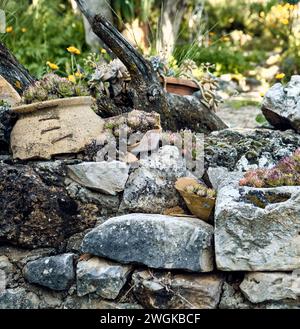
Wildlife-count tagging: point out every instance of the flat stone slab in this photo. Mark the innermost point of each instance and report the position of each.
(106, 177)
(154, 240)
(257, 229)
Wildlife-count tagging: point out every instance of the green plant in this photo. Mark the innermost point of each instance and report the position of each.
(51, 86)
(201, 190)
(285, 173)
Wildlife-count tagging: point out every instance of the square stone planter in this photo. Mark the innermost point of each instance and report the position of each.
(257, 229)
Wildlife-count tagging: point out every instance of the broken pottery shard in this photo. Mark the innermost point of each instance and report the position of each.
(53, 127)
(7, 93)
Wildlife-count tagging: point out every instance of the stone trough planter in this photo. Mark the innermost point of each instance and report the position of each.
(257, 229)
(53, 127)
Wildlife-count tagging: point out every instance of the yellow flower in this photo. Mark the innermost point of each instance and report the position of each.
(72, 78)
(52, 66)
(284, 21)
(103, 51)
(280, 76)
(9, 29)
(225, 38)
(73, 50)
(24, 29)
(78, 74)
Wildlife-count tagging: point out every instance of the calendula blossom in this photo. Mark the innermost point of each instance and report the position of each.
(52, 66)
(72, 78)
(9, 29)
(280, 76)
(73, 50)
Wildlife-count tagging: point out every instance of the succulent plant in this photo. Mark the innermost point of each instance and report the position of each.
(201, 190)
(51, 86)
(285, 173)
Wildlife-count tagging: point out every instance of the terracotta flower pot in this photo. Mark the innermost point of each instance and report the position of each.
(181, 87)
(199, 206)
(59, 126)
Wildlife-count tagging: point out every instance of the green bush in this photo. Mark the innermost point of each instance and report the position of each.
(42, 33)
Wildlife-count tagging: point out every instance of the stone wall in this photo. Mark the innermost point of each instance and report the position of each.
(85, 234)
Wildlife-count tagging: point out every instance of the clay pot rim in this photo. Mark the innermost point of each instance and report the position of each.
(69, 101)
(181, 82)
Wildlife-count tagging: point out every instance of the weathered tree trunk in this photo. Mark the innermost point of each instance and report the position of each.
(13, 71)
(170, 21)
(145, 89)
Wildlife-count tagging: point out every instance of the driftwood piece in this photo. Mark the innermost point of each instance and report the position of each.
(145, 89)
(12, 71)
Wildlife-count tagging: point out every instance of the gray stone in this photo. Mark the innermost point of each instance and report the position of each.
(55, 272)
(261, 287)
(232, 298)
(257, 229)
(281, 105)
(105, 177)
(18, 298)
(177, 291)
(154, 240)
(220, 176)
(106, 203)
(150, 188)
(148, 143)
(102, 277)
(6, 272)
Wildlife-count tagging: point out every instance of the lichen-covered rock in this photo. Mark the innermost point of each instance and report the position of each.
(7, 120)
(18, 298)
(55, 272)
(106, 177)
(243, 149)
(233, 298)
(33, 214)
(102, 277)
(6, 271)
(107, 204)
(220, 176)
(257, 229)
(151, 187)
(154, 240)
(281, 105)
(276, 286)
(163, 290)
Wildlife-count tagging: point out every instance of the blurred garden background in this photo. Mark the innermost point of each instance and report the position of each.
(251, 43)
